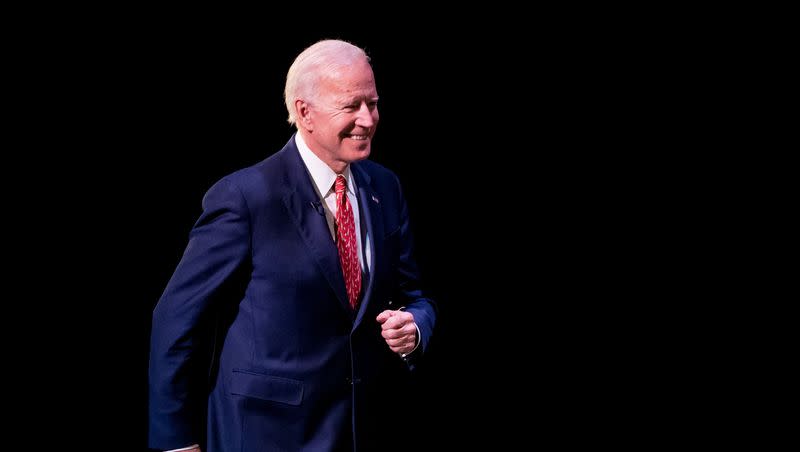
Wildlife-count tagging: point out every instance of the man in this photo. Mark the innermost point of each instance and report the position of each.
(295, 316)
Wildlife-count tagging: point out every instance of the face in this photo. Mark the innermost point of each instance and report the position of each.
(340, 122)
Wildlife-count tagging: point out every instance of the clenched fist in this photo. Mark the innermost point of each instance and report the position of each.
(399, 331)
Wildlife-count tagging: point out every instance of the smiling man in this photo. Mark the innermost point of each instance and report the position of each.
(295, 316)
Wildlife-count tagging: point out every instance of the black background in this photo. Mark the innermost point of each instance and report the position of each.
(515, 150)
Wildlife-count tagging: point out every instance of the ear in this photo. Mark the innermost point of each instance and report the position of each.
(302, 112)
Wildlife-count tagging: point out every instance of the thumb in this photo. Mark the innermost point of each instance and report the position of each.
(384, 316)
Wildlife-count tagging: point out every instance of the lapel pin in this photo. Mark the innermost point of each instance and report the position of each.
(375, 199)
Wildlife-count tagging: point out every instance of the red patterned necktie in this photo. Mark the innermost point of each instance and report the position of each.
(346, 242)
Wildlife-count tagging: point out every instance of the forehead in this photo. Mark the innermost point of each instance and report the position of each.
(349, 82)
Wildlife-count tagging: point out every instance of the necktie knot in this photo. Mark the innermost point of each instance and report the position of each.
(340, 185)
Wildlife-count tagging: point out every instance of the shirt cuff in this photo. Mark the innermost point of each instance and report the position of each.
(419, 339)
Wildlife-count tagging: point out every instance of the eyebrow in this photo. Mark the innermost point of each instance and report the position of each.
(351, 100)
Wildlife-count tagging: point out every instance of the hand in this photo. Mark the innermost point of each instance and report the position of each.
(399, 330)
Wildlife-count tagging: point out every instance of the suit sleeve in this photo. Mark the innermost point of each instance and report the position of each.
(409, 285)
(219, 243)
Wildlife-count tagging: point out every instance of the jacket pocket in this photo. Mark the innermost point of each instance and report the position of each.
(266, 387)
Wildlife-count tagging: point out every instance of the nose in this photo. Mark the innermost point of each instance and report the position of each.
(366, 117)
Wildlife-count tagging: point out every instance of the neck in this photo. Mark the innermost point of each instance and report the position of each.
(337, 166)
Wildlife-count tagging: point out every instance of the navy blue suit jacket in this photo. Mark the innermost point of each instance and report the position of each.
(254, 346)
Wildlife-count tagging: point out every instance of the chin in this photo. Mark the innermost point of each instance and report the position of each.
(360, 152)
(360, 156)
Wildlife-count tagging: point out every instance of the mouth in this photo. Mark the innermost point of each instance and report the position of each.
(358, 137)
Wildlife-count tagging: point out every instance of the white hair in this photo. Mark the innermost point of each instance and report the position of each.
(321, 58)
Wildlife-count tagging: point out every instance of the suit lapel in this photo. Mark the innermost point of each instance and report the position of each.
(371, 215)
(300, 201)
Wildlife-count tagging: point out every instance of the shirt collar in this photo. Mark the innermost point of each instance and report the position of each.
(322, 174)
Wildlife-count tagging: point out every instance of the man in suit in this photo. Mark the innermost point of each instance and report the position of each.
(295, 315)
